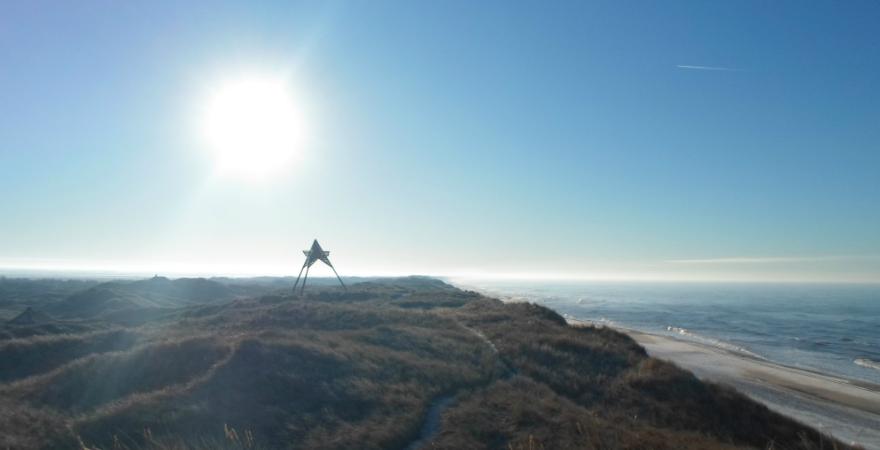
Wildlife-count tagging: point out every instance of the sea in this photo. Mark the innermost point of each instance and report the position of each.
(828, 328)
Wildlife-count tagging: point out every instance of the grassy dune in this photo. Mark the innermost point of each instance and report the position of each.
(361, 370)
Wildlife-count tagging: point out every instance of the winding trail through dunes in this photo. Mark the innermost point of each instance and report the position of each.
(170, 391)
(431, 426)
(482, 337)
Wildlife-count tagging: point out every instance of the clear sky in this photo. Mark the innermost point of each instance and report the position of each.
(671, 140)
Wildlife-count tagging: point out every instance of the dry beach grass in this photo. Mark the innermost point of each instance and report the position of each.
(361, 370)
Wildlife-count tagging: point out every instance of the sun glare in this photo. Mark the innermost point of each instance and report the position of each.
(253, 126)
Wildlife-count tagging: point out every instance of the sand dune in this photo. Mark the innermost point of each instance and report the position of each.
(847, 409)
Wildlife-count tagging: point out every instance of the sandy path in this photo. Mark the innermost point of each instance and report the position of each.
(431, 426)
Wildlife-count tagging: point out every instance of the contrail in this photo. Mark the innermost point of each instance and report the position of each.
(720, 69)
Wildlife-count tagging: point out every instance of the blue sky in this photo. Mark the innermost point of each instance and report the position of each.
(658, 140)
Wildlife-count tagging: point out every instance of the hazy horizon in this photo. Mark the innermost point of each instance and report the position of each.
(122, 271)
(688, 141)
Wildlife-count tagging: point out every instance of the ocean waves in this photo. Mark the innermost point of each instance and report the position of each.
(867, 363)
(688, 335)
(833, 329)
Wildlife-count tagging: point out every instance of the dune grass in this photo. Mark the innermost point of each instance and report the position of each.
(359, 370)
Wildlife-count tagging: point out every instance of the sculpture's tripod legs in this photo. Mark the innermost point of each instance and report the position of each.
(303, 288)
(297, 277)
(339, 278)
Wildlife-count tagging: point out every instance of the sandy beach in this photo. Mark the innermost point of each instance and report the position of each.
(846, 409)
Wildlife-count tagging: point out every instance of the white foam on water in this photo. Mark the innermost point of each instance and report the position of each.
(864, 362)
(602, 321)
(710, 341)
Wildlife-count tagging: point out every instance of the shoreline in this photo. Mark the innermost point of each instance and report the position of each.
(847, 409)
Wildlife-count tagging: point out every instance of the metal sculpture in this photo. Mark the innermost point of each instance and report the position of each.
(313, 255)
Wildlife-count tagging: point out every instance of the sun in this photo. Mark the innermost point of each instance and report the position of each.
(253, 126)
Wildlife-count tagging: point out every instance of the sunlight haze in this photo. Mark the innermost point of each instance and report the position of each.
(717, 141)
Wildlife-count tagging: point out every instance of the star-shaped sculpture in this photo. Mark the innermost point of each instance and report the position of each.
(313, 255)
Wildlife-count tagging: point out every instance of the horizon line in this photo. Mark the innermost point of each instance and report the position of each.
(135, 271)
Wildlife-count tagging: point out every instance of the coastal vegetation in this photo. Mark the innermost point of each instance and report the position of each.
(174, 364)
